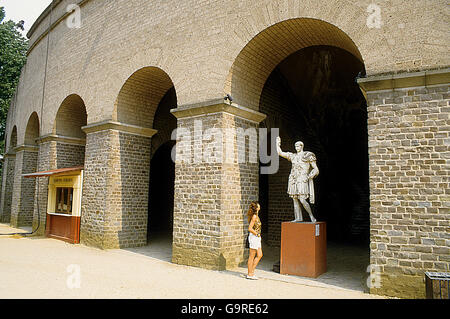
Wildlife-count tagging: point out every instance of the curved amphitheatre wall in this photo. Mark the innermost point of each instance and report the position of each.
(196, 44)
(206, 49)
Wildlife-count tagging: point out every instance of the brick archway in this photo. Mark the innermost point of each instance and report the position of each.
(71, 117)
(139, 97)
(267, 49)
(13, 138)
(123, 145)
(32, 130)
(252, 83)
(26, 162)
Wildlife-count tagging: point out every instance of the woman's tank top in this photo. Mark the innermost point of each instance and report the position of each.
(257, 225)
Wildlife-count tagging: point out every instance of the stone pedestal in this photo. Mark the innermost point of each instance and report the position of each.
(303, 249)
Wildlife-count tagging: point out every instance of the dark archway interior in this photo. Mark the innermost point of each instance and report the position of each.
(312, 96)
(162, 171)
(161, 191)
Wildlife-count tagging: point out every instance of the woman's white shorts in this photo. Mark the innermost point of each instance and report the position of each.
(254, 241)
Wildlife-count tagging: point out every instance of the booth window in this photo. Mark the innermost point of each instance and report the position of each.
(64, 197)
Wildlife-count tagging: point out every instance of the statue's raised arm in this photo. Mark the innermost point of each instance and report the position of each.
(280, 152)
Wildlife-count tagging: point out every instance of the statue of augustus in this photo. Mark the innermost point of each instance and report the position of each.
(301, 185)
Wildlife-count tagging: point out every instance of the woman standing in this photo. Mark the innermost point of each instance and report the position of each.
(254, 238)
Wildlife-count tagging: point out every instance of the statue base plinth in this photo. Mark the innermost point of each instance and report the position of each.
(303, 249)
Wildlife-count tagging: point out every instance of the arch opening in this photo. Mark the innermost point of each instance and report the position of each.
(140, 96)
(267, 49)
(145, 101)
(32, 130)
(13, 139)
(71, 117)
(29, 163)
(69, 120)
(162, 173)
(301, 73)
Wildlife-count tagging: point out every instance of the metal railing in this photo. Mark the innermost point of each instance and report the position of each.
(437, 285)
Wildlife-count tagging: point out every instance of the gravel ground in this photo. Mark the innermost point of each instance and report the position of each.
(38, 267)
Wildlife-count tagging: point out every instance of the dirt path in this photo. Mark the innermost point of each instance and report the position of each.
(37, 267)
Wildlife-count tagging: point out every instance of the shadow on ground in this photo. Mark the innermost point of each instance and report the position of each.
(346, 264)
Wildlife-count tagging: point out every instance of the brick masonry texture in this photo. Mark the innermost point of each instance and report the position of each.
(115, 191)
(410, 188)
(69, 155)
(128, 54)
(211, 201)
(23, 190)
(96, 60)
(7, 188)
(46, 161)
(52, 155)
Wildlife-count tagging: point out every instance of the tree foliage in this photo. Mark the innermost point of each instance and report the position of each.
(13, 49)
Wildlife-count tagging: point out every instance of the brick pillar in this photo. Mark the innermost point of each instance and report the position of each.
(24, 188)
(212, 195)
(7, 187)
(46, 161)
(115, 187)
(409, 153)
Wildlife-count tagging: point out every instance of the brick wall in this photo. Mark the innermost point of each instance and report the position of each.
(71, 117)
(198, 206)
(115, 190)
(194, 54)
(69, 155)
(211, 199)
(7, 187)
(409, 154)
(46, 161)
(24, 188)
(200, 59)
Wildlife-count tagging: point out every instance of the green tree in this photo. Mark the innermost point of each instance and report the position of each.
(13, 49)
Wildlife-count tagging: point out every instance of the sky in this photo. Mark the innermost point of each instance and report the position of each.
(26, 10)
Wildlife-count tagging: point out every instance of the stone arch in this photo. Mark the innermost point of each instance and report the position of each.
(123, 144)
(145, 101)
(139, 97)
(162, 170)
(32, 130)
(26, 162)
(13, 138)
(71, 117)
(260, 79)
(68, 134)
(267, 49)
(164, 122)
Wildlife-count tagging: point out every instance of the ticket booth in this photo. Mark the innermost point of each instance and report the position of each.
(64, 203)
